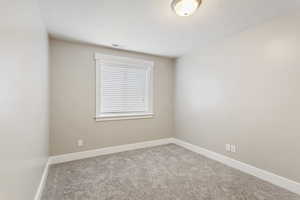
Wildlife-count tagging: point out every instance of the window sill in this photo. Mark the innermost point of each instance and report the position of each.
(123, 117)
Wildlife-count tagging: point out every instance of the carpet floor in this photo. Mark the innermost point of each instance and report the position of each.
(167, 172)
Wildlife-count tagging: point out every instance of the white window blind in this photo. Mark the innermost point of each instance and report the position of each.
(124, 87)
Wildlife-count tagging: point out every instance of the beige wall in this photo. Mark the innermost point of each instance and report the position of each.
(73, 101)
(23, 99)
(245, 91)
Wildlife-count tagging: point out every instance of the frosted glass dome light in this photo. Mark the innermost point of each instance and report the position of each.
(185, 7)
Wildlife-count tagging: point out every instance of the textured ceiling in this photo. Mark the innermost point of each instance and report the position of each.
(150, 26)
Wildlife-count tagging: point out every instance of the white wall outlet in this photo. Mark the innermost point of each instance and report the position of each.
(228, 147)
(233, 148)
(80, 142)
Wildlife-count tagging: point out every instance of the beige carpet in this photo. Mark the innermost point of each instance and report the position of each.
(166, 172)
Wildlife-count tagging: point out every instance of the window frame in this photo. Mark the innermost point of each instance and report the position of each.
(103, 59)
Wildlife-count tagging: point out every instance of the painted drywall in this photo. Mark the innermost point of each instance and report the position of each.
(245, 91)
(23, 99)
(73, 101)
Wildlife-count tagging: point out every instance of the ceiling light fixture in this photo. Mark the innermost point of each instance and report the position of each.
(185, 7)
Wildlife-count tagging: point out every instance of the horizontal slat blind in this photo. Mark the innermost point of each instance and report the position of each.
(123, 89)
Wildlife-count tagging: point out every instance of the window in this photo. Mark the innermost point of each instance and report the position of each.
(124, 88)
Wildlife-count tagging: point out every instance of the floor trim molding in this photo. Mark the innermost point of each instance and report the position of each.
(108, 150)
(249, 169)
(41, 186)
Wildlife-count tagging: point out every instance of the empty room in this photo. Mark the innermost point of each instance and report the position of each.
(149, 100)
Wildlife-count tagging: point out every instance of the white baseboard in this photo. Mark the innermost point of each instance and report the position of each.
(108, 150)
(41, 186)
(259, 173)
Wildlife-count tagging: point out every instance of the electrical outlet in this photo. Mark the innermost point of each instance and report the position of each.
(80, 142)
(233, 148)
(227, 147)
